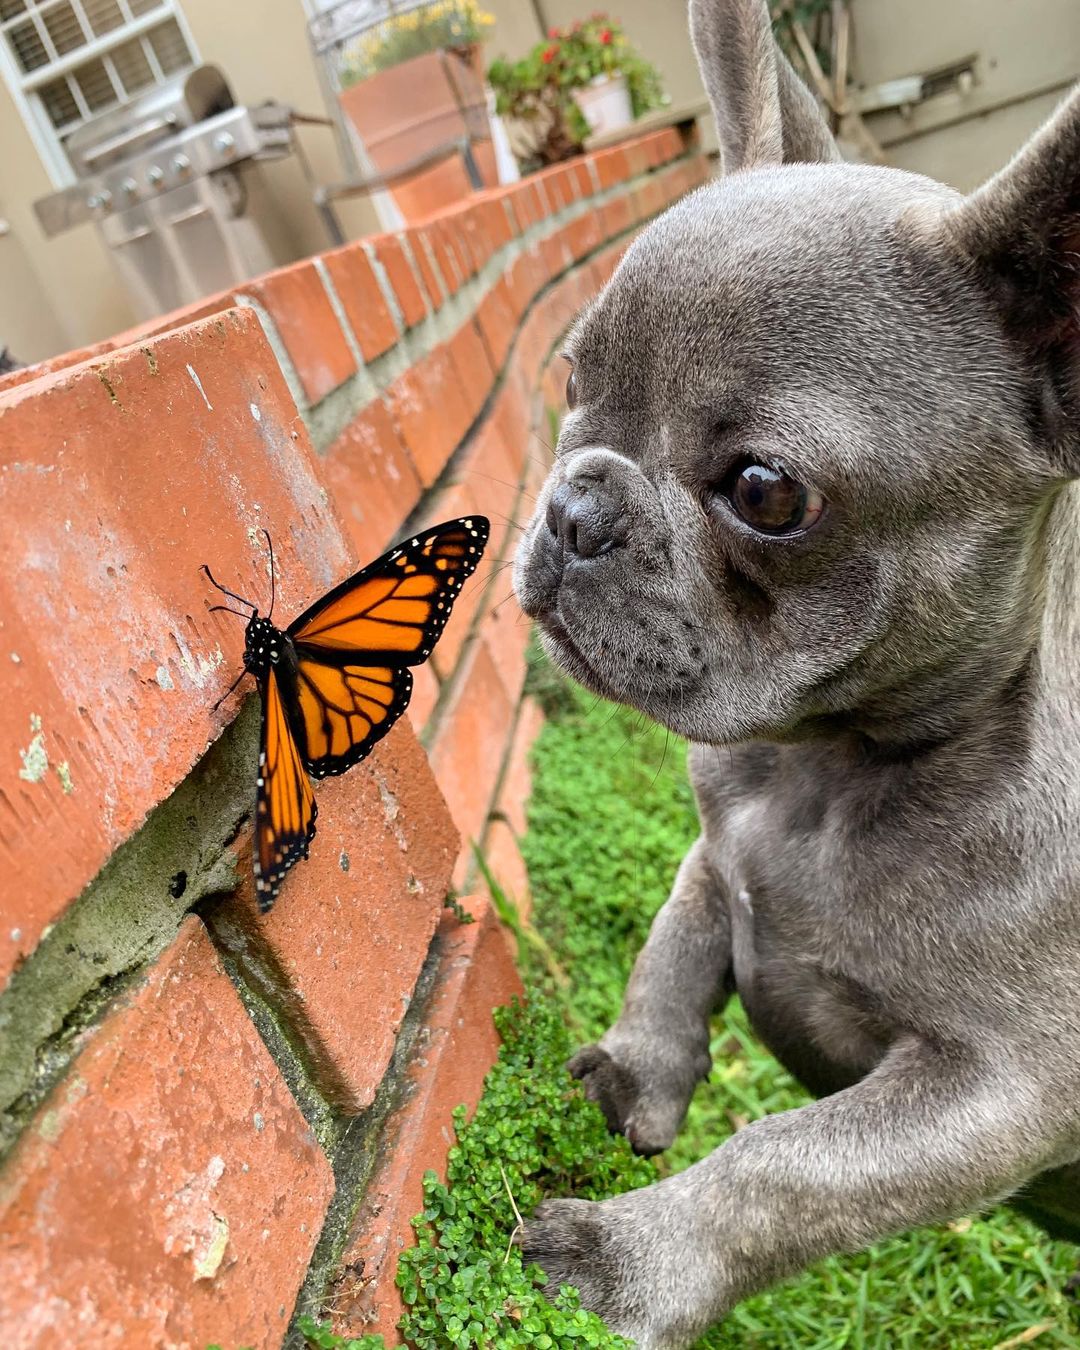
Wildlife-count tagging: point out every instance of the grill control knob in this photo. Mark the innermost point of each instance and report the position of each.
(100, 201)
(155, 175)
(225, 145)
(129, 187)
(181, 166)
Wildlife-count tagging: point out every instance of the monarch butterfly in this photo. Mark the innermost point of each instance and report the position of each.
(336, 680)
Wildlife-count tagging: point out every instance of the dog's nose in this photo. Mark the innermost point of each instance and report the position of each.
(582, 522)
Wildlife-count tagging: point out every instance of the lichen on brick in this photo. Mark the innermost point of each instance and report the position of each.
(35, 759)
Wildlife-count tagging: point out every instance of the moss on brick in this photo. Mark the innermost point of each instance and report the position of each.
(125, 918)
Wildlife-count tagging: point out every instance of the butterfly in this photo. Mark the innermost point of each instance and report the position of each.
(336, 680)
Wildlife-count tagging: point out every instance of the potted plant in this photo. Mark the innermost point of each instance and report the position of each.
(583, 80)
(413, 83)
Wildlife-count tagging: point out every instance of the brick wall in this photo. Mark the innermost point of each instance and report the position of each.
(210, 1120)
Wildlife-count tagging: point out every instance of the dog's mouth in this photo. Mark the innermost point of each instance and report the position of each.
(569, 655)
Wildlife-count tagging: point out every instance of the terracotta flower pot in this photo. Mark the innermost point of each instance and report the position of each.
(414, 107)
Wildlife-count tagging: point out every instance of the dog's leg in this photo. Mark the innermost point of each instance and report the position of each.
(642, 1073)
(929, 1135)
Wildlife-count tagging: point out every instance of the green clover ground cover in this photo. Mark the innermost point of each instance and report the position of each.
(611, 816)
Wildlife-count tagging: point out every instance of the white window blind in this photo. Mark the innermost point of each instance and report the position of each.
(67, 60)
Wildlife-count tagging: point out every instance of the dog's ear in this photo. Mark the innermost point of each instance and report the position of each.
(1022, 232)
(764, 113)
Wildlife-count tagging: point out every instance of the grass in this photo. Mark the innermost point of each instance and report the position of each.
(611, 816)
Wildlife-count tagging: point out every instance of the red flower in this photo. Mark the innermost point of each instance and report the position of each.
(605, 37)
(554, 33)
(548, 56)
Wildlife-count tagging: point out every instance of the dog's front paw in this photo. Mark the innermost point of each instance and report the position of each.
(566, 1238)
(622, 1265)
(642, 1091)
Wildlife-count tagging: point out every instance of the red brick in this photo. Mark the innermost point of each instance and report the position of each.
(169, 1192)
(296, 300)
(491, 470)
(556, 253)
(425, 694)
(430, 411)
(178, 318)
(650, 197)
(162, 458)
(497, 222)
(460, 499)
(524, 278)
(468, 749)
(351, 928)
(585, 233)
(529, 204)
(450, 254)
(63, 361)
(506, 632)
(472, 226)
(475, 372)
(639, 156)
(558, 185)
(507, 867)
(362, 300)
(372, 479)
(513, 410)
(617, 215)
(583, 183)
(516, 786)
(512, 206)
(612, 166)
(496, 322)
(389, 251)
(455, 1048)
(418, 246)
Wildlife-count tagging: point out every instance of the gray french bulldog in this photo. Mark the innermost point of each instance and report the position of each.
(815, 503)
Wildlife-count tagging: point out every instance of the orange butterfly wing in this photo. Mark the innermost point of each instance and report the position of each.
(346, 709)
(285, 807)
(354, 646)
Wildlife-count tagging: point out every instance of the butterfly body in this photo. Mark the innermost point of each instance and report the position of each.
(336, 680)
(263, 646)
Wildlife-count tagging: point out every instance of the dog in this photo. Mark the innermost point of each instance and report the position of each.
(814, 507)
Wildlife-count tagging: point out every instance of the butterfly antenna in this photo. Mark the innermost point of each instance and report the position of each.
(225, 590)
(231, 687)
(227, 609)
(270, 546)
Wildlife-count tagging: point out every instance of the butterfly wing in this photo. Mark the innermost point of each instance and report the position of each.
(346, 708)
(354, 646)
(285, 807)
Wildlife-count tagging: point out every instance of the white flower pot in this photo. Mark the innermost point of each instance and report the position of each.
(605, 104)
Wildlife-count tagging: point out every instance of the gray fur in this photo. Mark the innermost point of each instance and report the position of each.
(890, 851)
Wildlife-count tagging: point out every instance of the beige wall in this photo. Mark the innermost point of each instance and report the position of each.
(65, 287)
(261, 45)
(62, 293)
(1027, 54)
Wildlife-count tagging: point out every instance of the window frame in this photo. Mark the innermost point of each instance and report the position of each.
(23, 85)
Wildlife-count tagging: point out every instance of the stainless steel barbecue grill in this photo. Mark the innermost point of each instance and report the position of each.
(162, 177)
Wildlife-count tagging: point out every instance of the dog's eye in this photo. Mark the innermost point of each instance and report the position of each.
(773, 503)
(571, 391)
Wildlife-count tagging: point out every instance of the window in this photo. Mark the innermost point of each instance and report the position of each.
(68, 60)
